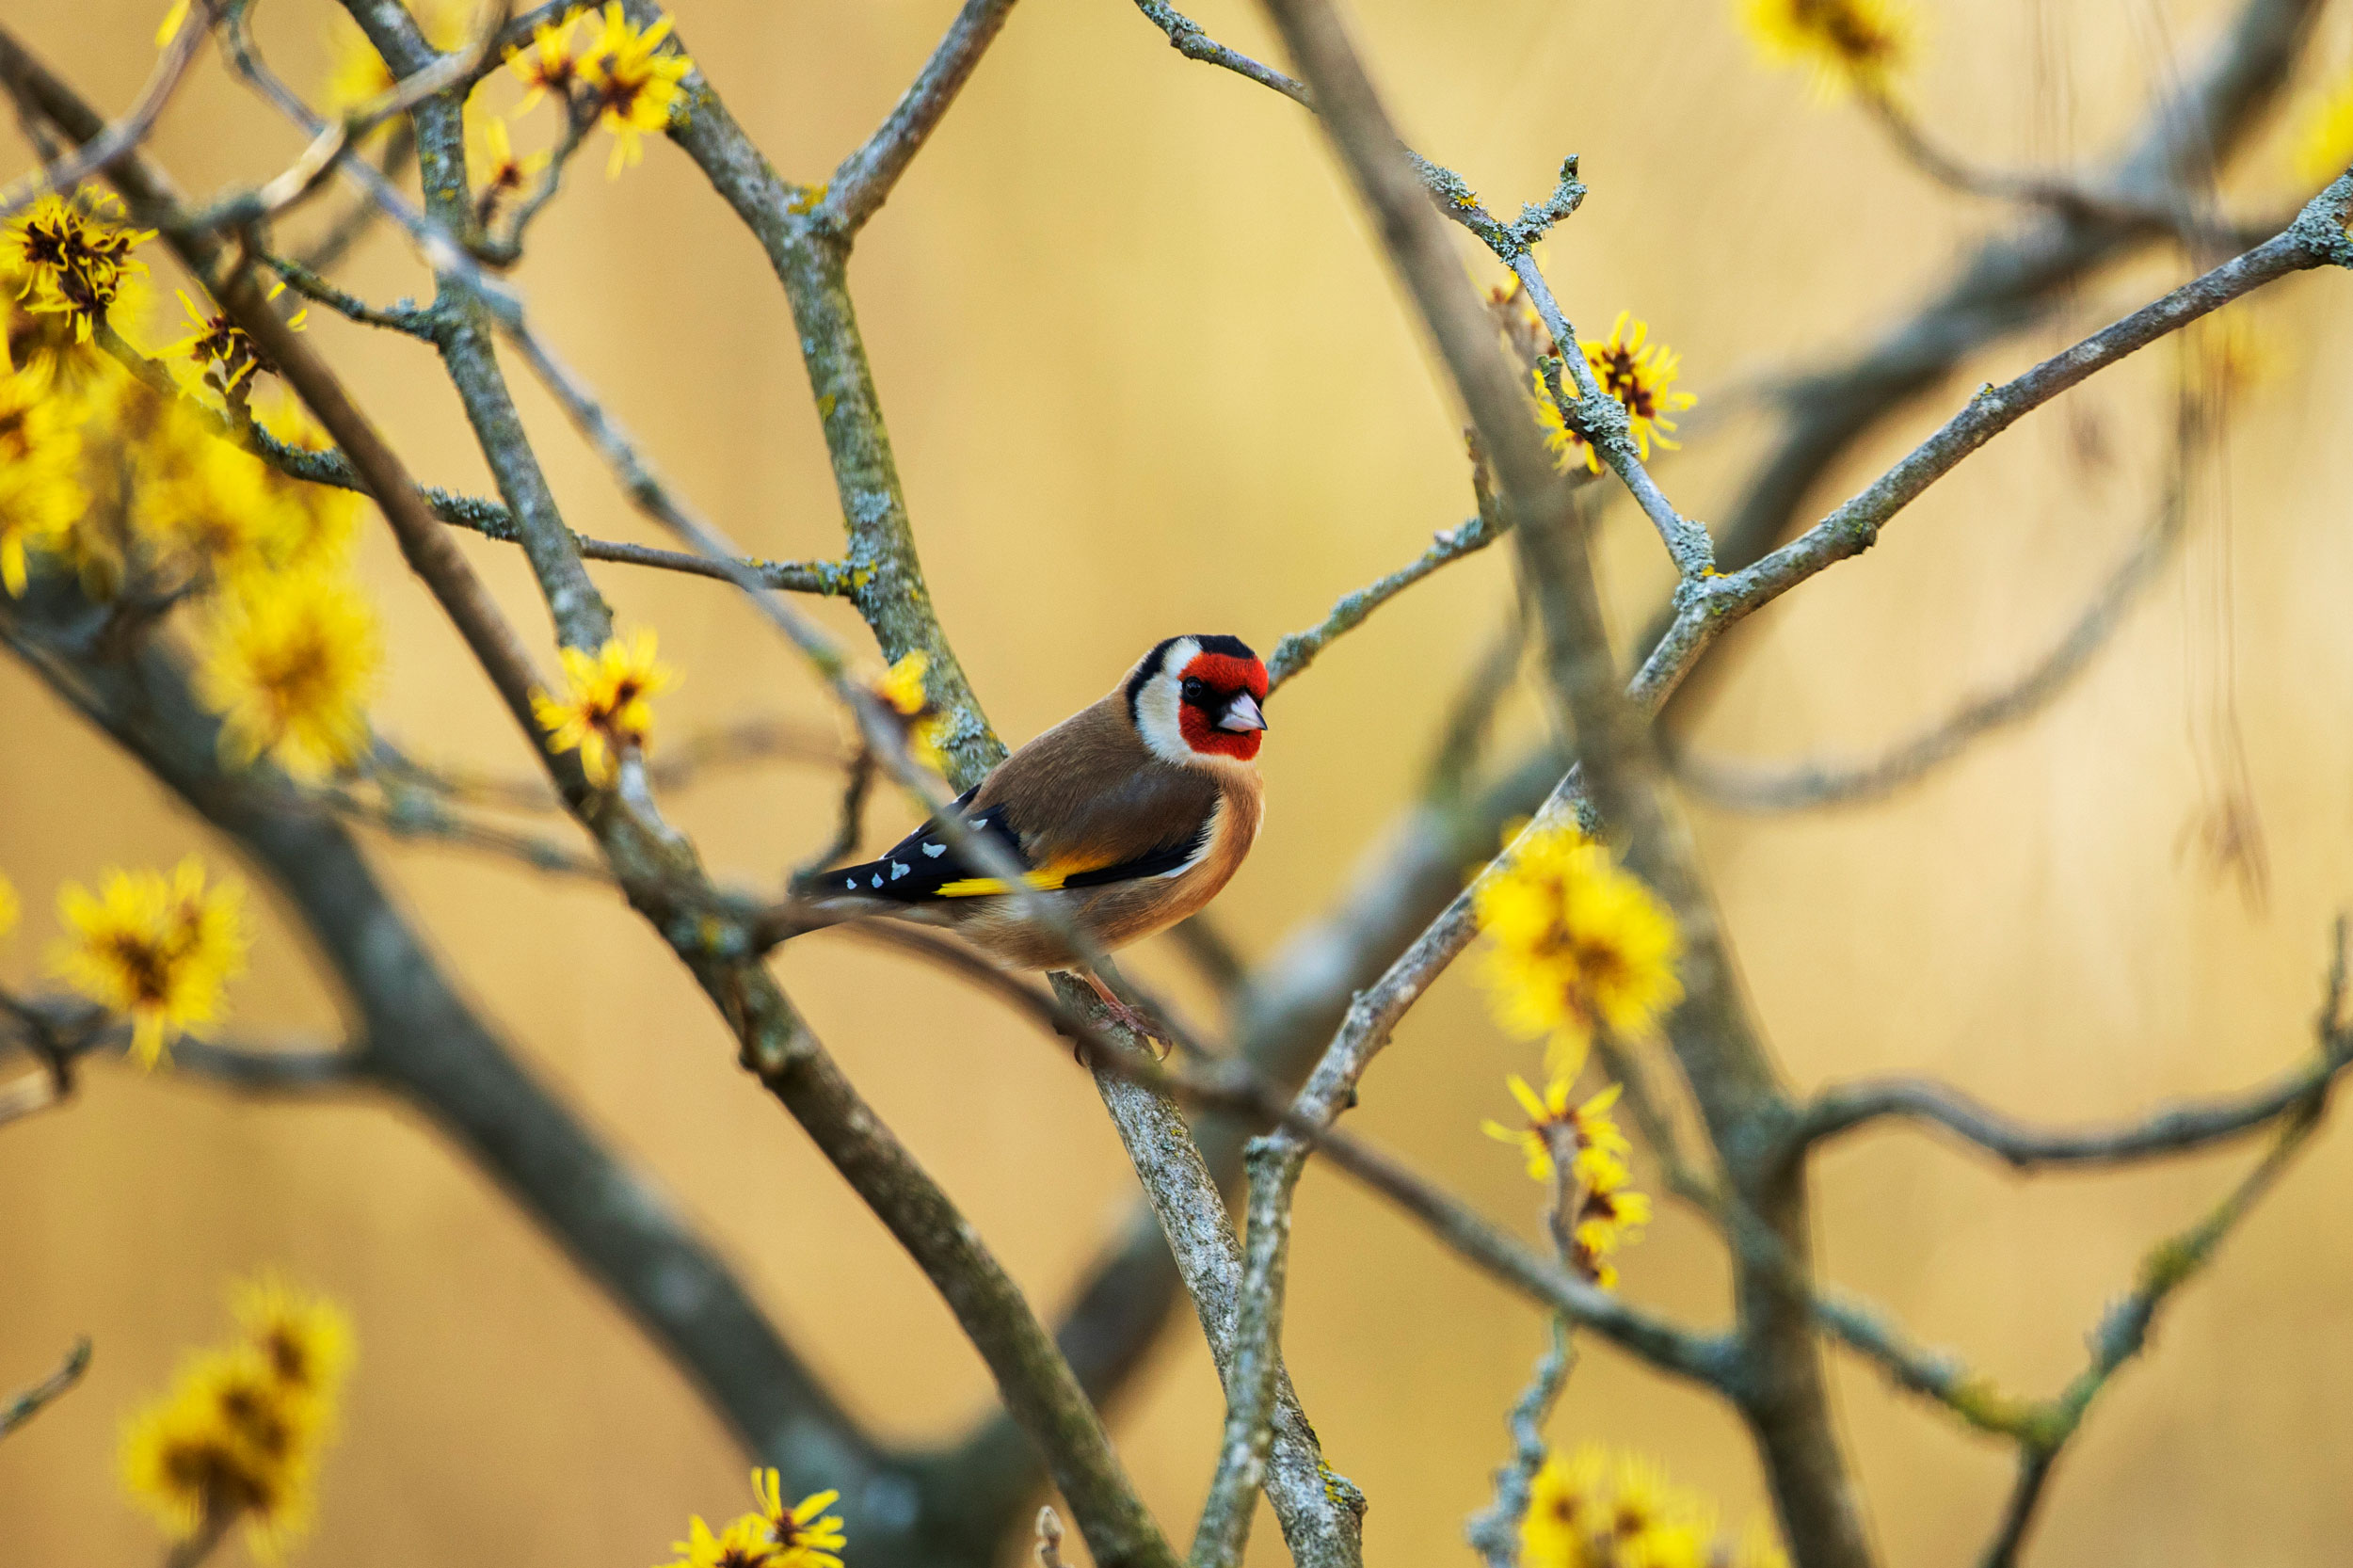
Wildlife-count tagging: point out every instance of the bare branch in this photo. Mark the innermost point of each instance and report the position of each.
(2315, 239)
(1257, 1365)
(864, 181)
(1186, 37)
(33, 1400)
(2124, 1332)
(1493, 1532)
(1298, 650)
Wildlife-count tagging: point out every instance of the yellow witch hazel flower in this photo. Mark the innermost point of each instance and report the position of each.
(1640, 373)
(1851, 45)
(218, 357)
(800, 1535)
(1589, 1126)
(2324, 143)
(803, 1535)
(1608, 1213)
(1598, 1509)
(498, 173)
(290, 661)
(606, 709)
(159, 950)
(236, 1439)
(41, 462)
(305, 1338)
(74, 253)
(740, 1544)
(1577, 944)
(633, 88)
(548, 65)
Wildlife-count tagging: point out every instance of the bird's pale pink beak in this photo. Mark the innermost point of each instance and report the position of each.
(1241, 714)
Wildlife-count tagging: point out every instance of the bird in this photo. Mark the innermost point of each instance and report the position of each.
(1128, 816)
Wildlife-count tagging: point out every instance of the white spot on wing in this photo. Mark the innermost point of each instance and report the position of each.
(878, 879)
(897, 871)
(934, 849)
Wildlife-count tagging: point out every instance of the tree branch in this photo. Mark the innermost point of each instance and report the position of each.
(864, 181)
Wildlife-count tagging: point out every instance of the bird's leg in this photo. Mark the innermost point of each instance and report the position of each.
(1126, 1016)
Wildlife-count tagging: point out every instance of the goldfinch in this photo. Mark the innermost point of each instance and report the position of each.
(1129, 815)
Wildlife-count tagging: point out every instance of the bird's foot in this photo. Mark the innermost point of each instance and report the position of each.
(1154, 1034)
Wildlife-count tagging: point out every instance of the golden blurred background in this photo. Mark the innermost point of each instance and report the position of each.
(1146, 375)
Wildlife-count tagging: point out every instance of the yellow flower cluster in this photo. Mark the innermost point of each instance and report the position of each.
(1640, 373)
(72, 254)
(1597, 1510)
(1851, 45)
(236, 1439)
(621, 80)
(159, 950)
(901, 689)
(129, 489)
(772, 1536)
(1577, 944)
(606, 711)
(1607, 1212)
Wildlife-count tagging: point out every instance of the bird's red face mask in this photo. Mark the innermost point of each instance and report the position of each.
(1218, 698)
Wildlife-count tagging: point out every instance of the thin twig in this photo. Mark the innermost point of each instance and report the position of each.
(1296, 651)
(33, 1400)
(1493, 1532)
(866, 177)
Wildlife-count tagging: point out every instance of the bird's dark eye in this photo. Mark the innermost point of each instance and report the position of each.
(1194, 689)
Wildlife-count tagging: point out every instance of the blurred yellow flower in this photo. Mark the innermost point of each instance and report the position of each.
(1852, 45)
(1576, 944)
(41, 457)
(290, 661)
(1640, 373)
(216, 512)
(305, 1338)
(159, 952)
(9, 907)
(74, 253)
(235, 1440)
(607, 709)
(2323, 142)
(634, 88)
(498, 173)
(803, 1535)
(1595, 1509)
